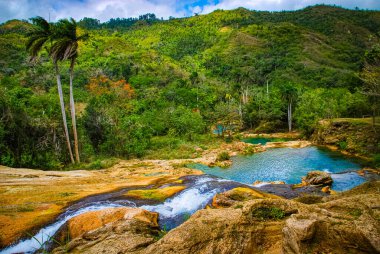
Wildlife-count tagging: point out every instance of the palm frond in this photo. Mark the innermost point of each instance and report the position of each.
(38, 35)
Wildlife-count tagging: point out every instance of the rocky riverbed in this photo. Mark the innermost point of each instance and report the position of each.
(31, 199)
(251, 223)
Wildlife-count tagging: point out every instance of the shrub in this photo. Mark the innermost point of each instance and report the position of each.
(268, 213)
(342, 145)
(223, 156)
(376, 160)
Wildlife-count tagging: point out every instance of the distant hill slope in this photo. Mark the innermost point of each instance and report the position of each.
(146, 77)
(320, 46)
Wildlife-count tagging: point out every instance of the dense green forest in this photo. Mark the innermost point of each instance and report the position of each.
(146, 84)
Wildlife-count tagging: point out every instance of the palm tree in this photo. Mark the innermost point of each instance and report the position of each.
(66, 48)
(289, 94)
(40, 35)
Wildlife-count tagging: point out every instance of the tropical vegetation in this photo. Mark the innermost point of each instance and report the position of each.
(143, 85)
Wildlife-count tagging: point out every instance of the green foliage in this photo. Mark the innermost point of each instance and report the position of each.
(184, 122)
(321, 103)
(342, 145)
(268, 213)
(356, 213)
(186, 216)
(376, 160)
(238, 69)
(161, 233)
(223, 156)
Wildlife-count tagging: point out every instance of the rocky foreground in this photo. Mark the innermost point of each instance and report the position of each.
(30, 199)
(245, 221)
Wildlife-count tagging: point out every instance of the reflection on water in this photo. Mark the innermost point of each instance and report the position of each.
(263, 141)
(286, 164)
(289, 165)
(174, 211)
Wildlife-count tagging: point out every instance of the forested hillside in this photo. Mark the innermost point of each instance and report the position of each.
(147, 84)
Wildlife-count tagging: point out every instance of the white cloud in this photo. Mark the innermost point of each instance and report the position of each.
(106, 9)
(100, 9)
(279, 5)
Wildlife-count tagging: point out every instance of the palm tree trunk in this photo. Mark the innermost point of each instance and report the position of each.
(290, 116)
(72, 109)
(60, 93)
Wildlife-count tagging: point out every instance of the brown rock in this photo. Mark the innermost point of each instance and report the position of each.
(113, 230)
(326, 189)
(346, 225)
(236, 195)
(224, 231)
(258, 182)
(318, 178)
(340, 225)
(224, 164)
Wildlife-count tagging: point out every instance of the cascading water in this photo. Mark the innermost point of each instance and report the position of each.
(172, 212)
(175, 210)
(285, 164)
(37, 241)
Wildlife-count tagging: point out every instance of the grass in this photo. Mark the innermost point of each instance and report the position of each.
(342, 145)
(168, 148)
(356, 213)
(367, 120)
(186, 216)
(376, 160)
(100, 163)
(268, 213)
(155, 194)
(249, 150)
(223, 156)
(161, 233)
(309, 199)
(26, 208)
(66, 194)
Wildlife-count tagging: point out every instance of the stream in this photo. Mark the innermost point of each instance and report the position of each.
(174, 211)
(285, 164)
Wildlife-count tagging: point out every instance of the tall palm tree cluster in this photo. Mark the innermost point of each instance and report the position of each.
(61, 42)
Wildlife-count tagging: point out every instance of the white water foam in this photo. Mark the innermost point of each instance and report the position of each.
(188, 201)
(258, 185)
(34, 243)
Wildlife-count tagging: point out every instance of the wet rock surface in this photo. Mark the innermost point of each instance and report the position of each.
(288, 191)
(114, 230)
(343, 223)
(358, 137)
(237, 195)
(318, 178)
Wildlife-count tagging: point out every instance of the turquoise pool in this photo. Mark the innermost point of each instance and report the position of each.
(290, 165)
(263, 141)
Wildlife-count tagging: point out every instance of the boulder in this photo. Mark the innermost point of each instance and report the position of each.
(239, 194)
(224, 164)
(258, 182)
(343, 223)
(340, 226)
(317, 178)
(337, 225)
(113, 230)
(229, 230)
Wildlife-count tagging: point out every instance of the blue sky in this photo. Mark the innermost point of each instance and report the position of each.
(106, 9)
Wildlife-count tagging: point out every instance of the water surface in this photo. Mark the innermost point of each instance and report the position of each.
(290, 165)
(172, 212)
(263, 141)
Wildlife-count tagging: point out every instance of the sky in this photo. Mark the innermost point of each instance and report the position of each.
(106, 9)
